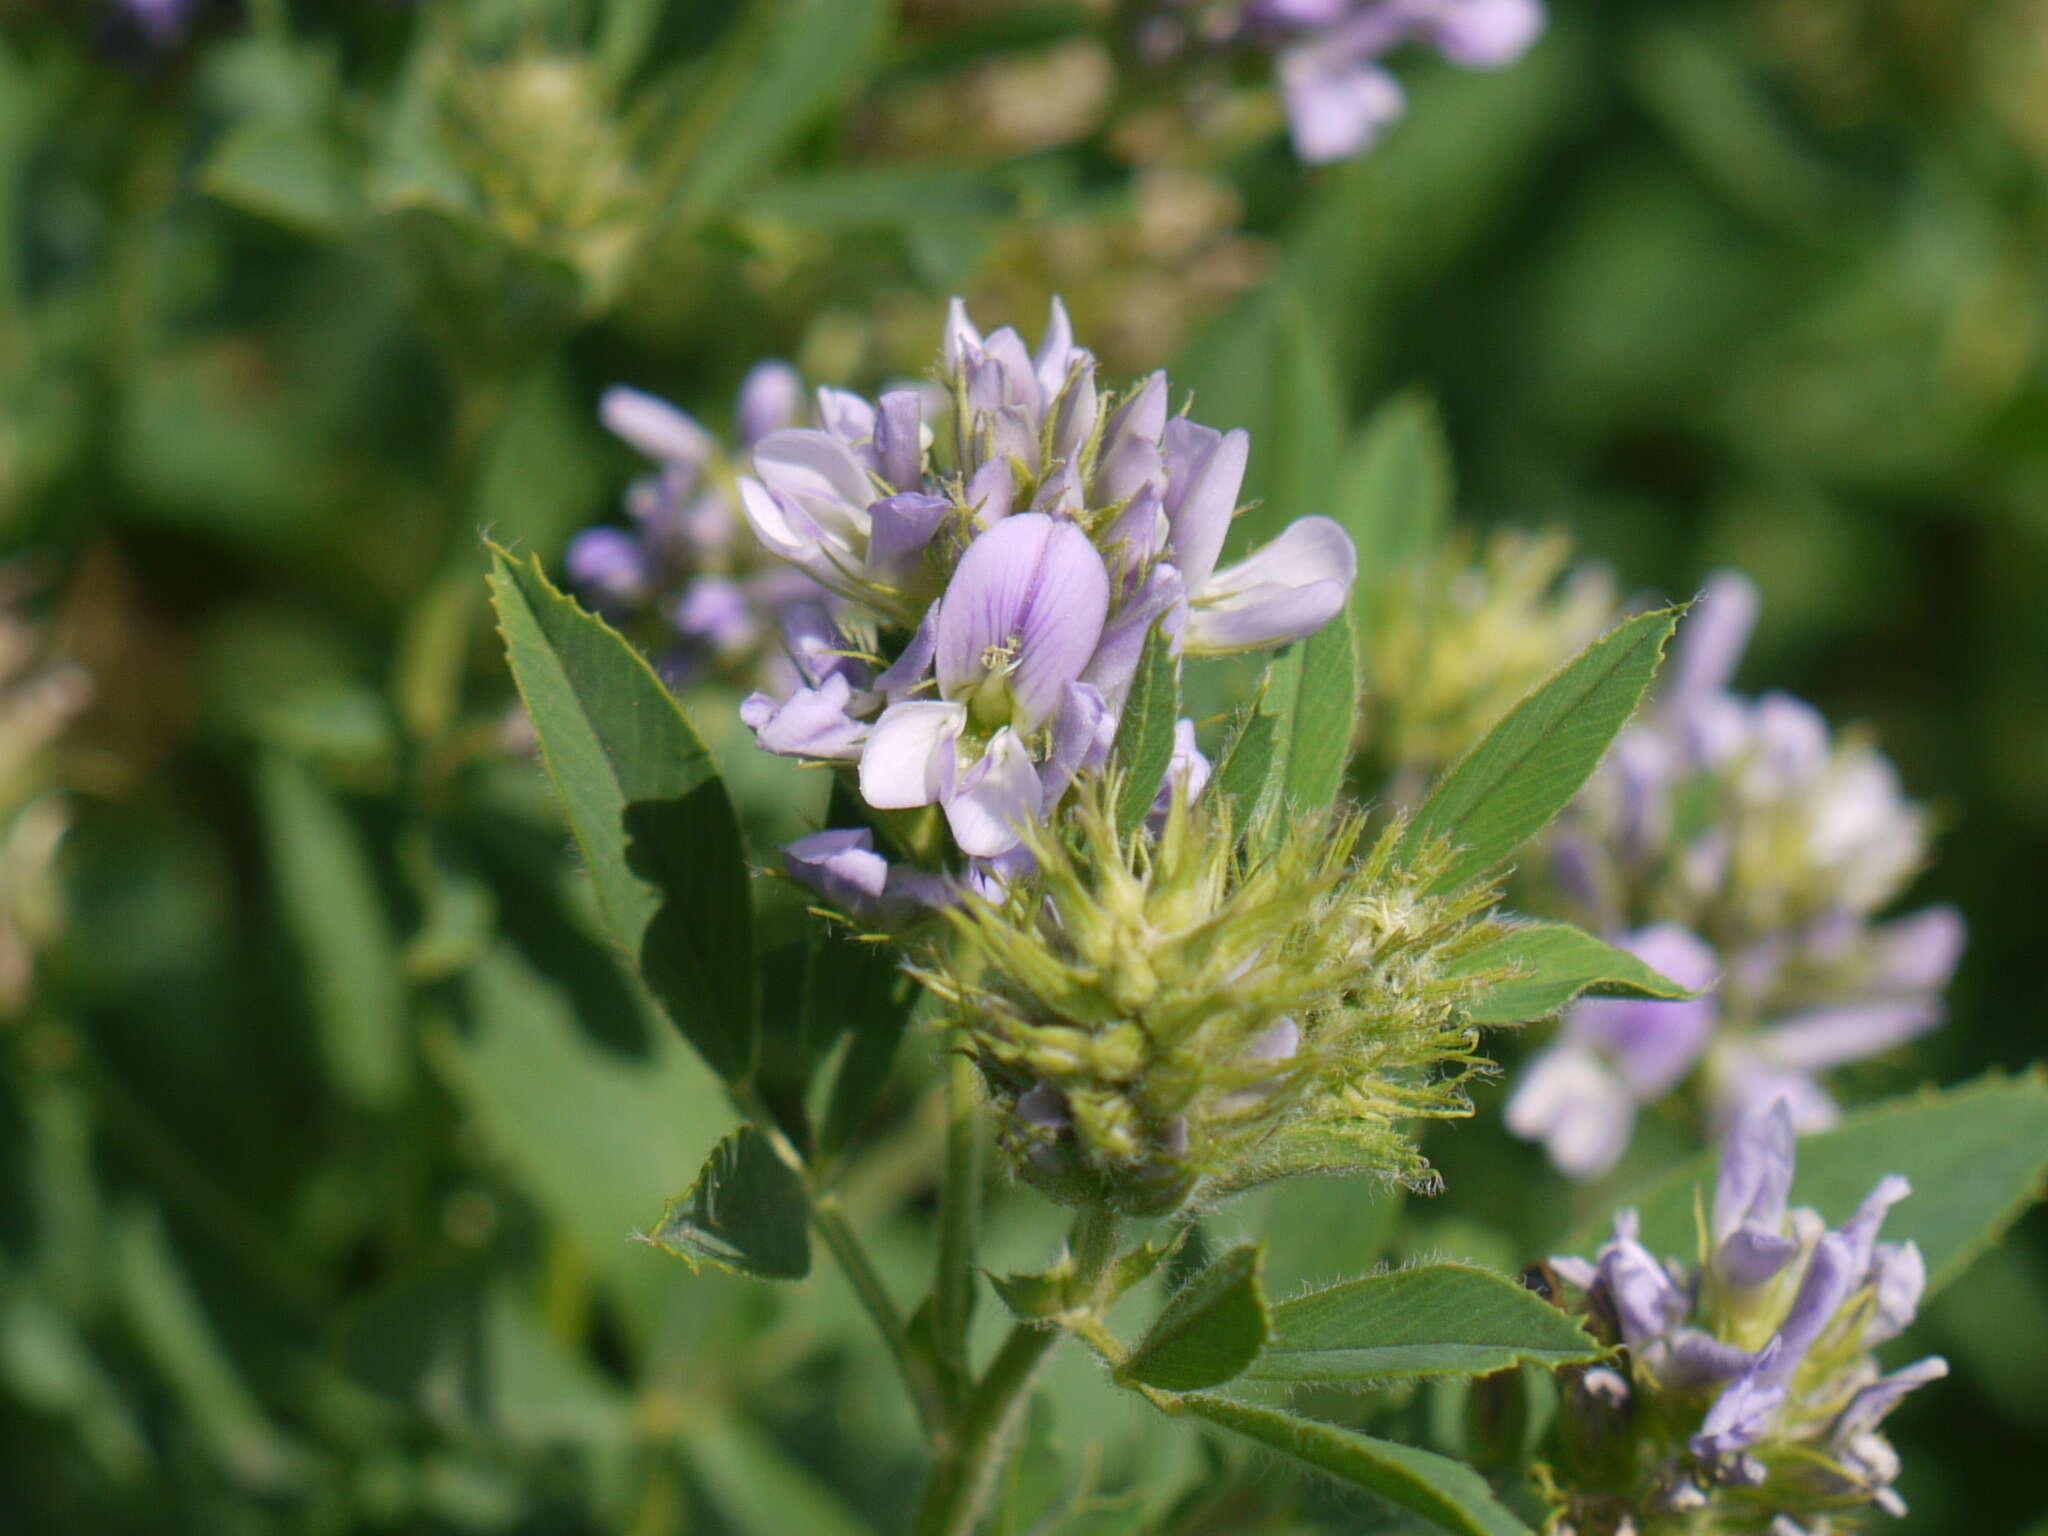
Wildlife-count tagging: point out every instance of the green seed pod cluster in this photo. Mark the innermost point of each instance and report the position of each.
(1166, 1016)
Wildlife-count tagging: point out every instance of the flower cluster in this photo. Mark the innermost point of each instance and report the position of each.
(1339, 95)
(1734, 844)
(38, 697)
(686, 576)
(1456, 644)
(999, 547)
(1174, 1014)
(1747, 1398)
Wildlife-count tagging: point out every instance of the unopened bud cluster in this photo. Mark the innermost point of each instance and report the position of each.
(1745, 1397)
(1168, 1016)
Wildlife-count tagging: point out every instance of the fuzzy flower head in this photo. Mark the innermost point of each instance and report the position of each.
(998, 547)
(1170, 1016)
(1749, 1393)
(1769, 846)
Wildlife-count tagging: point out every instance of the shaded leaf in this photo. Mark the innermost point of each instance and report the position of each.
(1558, 963)
(647, 808)
(1441, 1490)
(335, 914)
(776, 79)
(858, 988)
(747, 1214)
(1211, 1330)
(1528, 767)
(288, 170)
(1442, 1320)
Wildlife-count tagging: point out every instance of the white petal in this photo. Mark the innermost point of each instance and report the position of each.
(1285, 591)
(1581, 1112)
(656, 428)
(998, 794)
(908, 753)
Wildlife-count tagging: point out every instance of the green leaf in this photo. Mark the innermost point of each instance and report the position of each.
(173, 1332)
(1211, 1330)
(288, 170)
(793, 65)
(1035, 1296)
(1976, 1156)
(746, 1214)
(1558, 963)
(335, 913)
(647, 808)
(1144, 741)
(1394, 492)
(1443, 1320)
(1246, 766)
(1506, 789)
(1445, 1492)
(1313, 698)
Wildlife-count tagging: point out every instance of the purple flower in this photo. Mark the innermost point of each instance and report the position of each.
(1750, 1243)
(1741, 1415)
(1714, 1415)
(162, 21)
(1579, 1097)
(1749, 824)
(665, 434)
(771, 398)
(1017, 624)
(611, 566)
(1283, 592)
(1647, 1304)
(1338, 100)
(1338, 95)
(844, 868)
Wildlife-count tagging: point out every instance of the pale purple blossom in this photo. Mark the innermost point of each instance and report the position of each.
(998, 550)
(683, 577)
(1821, 1301)
(1750, 824)
(1580, 1096)
(1338, 93)
(1017, 624)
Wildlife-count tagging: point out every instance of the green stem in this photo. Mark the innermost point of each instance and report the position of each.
(959, 1223)
(959, 1487)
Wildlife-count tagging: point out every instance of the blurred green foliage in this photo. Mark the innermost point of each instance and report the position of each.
(333, 1111)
